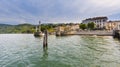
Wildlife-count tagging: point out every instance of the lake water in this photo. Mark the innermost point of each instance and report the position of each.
(24, 50)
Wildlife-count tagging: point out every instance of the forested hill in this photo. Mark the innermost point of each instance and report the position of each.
(24, 28)
(5, 25)
(21, 28)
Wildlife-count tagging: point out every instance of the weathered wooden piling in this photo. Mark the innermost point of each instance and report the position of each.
(45, 43)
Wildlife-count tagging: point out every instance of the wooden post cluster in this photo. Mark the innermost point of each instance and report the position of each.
(45, 43)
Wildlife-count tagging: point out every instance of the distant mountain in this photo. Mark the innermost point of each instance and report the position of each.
(5, 25)
(25, 24)
(20, 28)
(24, 28)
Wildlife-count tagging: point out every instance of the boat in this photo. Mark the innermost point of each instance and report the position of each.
(38, 32)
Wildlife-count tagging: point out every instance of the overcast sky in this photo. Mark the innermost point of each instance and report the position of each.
(56, 11)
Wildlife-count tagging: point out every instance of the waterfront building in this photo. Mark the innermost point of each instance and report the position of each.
(60, 28)
(112, 25)
(72, 27)
(99, 21)
(67, 29)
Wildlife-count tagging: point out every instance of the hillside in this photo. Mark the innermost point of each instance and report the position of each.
(21, 28)
(5, 25)
(24, 28)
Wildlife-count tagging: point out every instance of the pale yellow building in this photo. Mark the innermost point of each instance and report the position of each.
(60, 28)
(68, 28)
(112, 25)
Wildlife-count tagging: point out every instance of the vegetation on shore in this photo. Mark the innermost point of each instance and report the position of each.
(83, 26)
(89, 26)
(24, 28)
(28, 28)
(21, 28)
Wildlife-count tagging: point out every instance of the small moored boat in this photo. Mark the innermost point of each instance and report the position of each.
(38, 34)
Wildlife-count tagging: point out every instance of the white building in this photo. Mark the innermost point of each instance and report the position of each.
(99, 21)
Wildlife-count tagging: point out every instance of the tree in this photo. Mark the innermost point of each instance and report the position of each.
(83, 26)
(91, 25)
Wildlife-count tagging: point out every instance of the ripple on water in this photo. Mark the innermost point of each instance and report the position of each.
(24, 50)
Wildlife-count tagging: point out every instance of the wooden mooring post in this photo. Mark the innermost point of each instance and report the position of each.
(45, 42)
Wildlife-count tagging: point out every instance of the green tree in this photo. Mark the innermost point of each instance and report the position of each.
(83, 26)
(49, 27)
(91, 25)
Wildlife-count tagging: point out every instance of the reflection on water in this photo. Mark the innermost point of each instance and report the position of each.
(24, 50)
(45, 53)
(44, 61)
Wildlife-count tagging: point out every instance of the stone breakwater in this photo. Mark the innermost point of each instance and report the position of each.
(98, 33)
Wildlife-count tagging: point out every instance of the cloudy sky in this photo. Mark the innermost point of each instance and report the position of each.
(56, 11)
